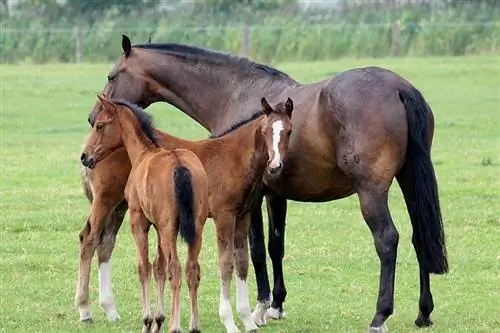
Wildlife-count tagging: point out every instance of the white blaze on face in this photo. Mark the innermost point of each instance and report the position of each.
(277, 128)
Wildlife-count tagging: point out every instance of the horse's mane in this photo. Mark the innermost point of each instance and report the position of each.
(145, 119)
(193, 52)
(237, 125)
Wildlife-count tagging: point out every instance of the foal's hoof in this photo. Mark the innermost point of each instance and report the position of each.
(86, 320)
(423, 321)
(379, 329)
(194, 330)
(274, 313)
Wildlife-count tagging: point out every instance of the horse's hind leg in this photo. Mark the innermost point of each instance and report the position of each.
(276, 208)
(160, 273)
(104, 252)
(193, 280)
(174, 271)
(375, 211)
(89, 239)
(426, 302)
(140, 228)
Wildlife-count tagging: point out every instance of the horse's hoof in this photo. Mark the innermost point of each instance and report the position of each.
(113, 316)
(379, 329)
(194, 330)
(274, 313)
(86, 320)
(422, 321)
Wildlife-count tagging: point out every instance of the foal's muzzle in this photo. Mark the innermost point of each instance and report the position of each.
(88, 162)
(275, 171)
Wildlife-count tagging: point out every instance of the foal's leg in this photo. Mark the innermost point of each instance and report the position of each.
(174, 271)
(140, 228)
(193, 280)
(241, 262)
(89, 239)
(160, 273)
(276, 208)
(258, 254)
(104, 252)
(375, 211)
(224, 223)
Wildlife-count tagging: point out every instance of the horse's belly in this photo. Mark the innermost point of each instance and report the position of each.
(305, 180)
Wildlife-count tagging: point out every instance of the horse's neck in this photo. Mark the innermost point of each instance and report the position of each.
(214, 96)
(134, 140)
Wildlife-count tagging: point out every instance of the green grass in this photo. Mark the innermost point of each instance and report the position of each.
(331, 268)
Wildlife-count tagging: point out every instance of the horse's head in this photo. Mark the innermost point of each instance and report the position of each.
(106, 134)
(128, 80)
(276, 130)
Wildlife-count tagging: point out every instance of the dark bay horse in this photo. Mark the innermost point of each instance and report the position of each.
(167, 189)
(235, 163)
(354, 133)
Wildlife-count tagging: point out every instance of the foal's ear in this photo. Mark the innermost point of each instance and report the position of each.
(265, 107)
(289, 107)
(106, 103)
(126, 45)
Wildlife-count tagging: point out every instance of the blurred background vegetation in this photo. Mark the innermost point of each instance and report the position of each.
(41, 31)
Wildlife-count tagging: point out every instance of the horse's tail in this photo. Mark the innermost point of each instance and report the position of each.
(420, 186)
(184, 197)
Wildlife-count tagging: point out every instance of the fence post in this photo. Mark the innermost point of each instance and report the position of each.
(245, 41)
(395, 38)
(78, 44)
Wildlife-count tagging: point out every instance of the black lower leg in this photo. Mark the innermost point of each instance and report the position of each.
(276, 207)
(426, 303)
(258, 253)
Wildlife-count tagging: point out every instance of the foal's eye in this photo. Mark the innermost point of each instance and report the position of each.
(99, 127)
(110, 78)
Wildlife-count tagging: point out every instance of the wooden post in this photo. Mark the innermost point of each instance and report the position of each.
(78, 44)
(395, 38)
(245, 40)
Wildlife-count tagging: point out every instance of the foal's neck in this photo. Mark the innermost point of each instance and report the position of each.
(134, 139)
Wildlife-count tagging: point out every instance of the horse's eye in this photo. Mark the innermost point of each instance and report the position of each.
(99, 127)
(110, 78)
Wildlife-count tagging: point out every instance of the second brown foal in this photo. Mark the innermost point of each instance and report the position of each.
(167, 189)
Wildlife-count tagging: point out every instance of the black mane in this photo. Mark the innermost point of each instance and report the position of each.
(144, 118)
(238, 125)
(188, 51)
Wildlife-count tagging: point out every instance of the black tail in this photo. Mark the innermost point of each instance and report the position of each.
(423, 205)
(184, 196)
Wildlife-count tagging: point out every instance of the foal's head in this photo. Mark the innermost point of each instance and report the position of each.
(107, 132)
(276, 131)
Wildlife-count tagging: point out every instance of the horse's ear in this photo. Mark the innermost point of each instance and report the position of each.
(289, 107)
(106, 103)
(265, 107)
(126, 45)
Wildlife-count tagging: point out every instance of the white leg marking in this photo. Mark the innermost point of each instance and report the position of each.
(243, 305)
(277, 128)
(259, 314)
(225, 310)
(380, 329)
(105, 292)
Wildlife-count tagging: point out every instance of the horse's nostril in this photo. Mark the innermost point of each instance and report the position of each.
(88, 119)
(82, 158)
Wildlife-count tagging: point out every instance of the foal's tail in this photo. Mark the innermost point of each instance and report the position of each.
(184, 196)
(419, 186)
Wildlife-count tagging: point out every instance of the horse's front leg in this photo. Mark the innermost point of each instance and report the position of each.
(241, 262)
(276, 208)
(258, 254)
(104, 253)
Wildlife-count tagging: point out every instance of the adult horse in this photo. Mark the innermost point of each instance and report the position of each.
(354, 133)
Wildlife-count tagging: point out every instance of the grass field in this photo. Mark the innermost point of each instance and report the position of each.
(331, 267)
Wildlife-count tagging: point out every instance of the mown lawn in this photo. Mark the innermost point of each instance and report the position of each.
(331, 268)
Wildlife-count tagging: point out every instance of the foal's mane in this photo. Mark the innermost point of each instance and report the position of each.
(217, 58)
(145, 119)
(239, 124)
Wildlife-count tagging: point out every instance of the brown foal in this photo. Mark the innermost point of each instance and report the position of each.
(167, 189)
(235, 162)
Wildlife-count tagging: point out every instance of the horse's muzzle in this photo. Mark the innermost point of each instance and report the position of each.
(87, 162)
(275, 171)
